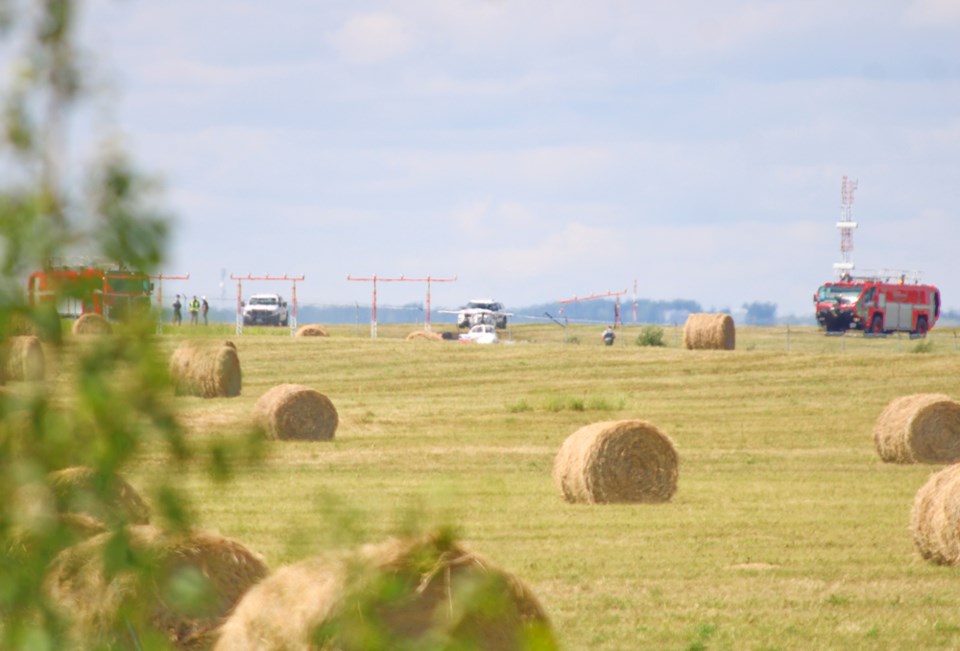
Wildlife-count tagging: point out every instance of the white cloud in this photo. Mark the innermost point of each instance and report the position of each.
(372, 38)
(934, 13)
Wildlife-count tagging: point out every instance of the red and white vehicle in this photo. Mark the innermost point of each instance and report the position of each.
(877, 306)
(111, 291)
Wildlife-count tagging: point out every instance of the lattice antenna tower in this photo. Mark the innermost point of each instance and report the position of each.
(846, 226)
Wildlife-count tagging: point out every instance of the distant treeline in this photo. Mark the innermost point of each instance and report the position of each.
(597, 311)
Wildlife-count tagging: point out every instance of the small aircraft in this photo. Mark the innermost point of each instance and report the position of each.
(480, 311)
(482, 333)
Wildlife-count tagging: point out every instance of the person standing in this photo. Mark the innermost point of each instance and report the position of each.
(177, 318)
(194, 310)
(204, 308)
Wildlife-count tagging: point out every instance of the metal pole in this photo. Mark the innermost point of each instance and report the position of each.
(239, 307)
(160, 305)
(293, 321)
(427, 322)
(373, 313)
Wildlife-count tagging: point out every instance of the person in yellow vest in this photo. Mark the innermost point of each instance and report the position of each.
(194, 311)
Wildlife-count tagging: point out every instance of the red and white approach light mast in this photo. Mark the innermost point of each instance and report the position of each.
(846, 226)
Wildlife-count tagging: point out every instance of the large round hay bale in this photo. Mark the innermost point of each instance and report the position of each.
(92, 324)
(935, 518)
(616, 461)
(405, 593)
(312, 330)
(704, 331)
(24, 359)
(170, 587)
(423, 335)
(206, 369)
(921, 427)
(293, 411)
(105, 497)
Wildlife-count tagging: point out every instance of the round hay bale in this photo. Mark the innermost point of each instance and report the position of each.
(150, 594)
(92, 324)
(935, 517)
(423, 335)
(312, 330)
(616, 461)
(413, 593)
(107, 498)
(24, 359)
(704, 331)
(919, 428)
(296, 412)
(199, 368)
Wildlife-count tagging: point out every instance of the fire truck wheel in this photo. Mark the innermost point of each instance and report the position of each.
(922, 326)
(876, 326)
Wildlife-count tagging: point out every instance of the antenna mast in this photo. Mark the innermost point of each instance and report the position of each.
(846, 226)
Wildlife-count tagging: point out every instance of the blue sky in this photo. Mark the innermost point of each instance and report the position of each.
(540, 150)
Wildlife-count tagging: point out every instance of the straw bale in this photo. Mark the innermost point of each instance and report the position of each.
(205, 369)
(919, 428)
(935, 517)
(147, 595)
(705, 331)
(412, 593)
(293, 411)
(312, 330)
(24, 359)
(423, 335)
(20, 324)
(92, 324)
(616, 461)
(107, 498)
(81, 525)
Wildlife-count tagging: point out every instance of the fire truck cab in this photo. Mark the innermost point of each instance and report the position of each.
(877, 306)
(111, 291)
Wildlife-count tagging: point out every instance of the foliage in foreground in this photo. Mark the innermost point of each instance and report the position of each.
(114, 400)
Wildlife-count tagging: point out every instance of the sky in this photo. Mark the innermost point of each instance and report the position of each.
(539, 150)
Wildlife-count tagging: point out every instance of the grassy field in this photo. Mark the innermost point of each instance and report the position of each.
(786, 531)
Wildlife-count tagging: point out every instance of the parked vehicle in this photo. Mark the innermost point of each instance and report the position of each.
(482, 333)
(877, 306)
(268, 309)
(109, 290)
(482, 310)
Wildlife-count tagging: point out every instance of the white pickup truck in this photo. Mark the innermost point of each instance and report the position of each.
(268, 309)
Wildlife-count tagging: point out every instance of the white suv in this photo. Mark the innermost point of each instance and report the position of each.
(482, 310)
(269, 309)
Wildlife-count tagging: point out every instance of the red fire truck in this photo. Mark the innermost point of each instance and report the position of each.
(109, 290)
(877, 305)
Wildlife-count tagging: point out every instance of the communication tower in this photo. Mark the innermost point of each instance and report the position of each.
(846, 226)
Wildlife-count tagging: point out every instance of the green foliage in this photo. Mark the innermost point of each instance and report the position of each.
(651, 335)
(703, 635)
(924, 346)
(108, 401)
(557, 403)
(519, 406)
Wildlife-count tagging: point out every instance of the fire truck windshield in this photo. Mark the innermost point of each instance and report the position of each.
(832, 294)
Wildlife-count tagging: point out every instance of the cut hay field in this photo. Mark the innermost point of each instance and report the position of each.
(786, 530)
